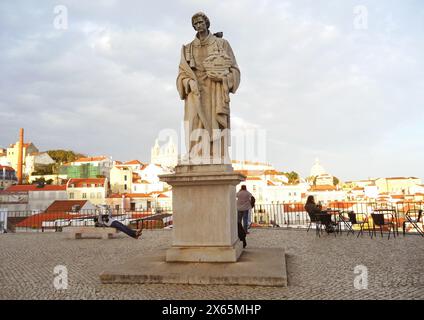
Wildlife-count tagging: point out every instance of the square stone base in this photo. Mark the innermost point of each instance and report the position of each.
(204, 254)
(256, 266)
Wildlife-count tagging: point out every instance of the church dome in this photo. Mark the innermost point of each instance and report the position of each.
(317, 169)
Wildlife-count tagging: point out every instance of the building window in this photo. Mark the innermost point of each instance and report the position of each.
(92, 195)
(117, 207)
(125, 187)
(294, 193)
(125, 178)
(71, 195)
(84, 196)
(99, 195)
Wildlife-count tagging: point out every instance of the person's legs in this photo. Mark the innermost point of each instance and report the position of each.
(121, 227)
(249, 218)
(239, 216)
(245, 218)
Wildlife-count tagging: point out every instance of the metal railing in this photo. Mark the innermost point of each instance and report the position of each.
(282, 215)
(293, 215)
(55, 221)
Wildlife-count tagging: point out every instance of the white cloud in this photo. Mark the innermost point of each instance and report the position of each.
(319, 87)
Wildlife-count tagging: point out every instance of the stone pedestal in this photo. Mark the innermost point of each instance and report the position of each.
(204, 214)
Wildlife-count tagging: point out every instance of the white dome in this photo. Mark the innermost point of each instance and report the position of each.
(317, 169)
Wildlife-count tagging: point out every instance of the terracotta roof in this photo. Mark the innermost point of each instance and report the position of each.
(133, 162)
(253, 178)
(36, 220)
(65, 205)
(90, 159)
(323, 188)
(118, 162)
(398, 196)
(7, 168)
(358, 189)
(271, 172)
(270, 183)
(34, 187)
(79, 182)
(162, 196)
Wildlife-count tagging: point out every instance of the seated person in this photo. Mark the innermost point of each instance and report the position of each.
(108, 221)
(313, 209)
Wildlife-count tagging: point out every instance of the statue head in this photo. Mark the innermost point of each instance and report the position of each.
(197, 17)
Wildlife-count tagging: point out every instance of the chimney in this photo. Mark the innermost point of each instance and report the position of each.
(20, 155)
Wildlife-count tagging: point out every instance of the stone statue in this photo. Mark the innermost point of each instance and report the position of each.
(208, 72)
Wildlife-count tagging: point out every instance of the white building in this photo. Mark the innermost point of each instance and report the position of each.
(31, 197)
(165, 156)
(93, 189)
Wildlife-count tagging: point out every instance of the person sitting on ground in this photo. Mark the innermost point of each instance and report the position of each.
(107, 220)
(313, 209)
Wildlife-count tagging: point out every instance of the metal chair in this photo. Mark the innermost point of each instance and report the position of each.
(313, 219)
(413, 216)
(353, 220)
(380, 220)
(325, 220)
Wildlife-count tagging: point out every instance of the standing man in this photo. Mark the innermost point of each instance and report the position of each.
(243, 206)
(208, 73)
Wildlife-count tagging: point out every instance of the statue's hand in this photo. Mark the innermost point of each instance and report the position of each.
(193, 87)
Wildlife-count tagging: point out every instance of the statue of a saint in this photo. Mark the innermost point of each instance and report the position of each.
(208, 72)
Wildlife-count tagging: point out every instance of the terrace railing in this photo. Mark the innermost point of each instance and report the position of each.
(55, 221)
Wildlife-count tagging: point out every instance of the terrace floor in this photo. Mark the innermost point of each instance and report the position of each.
(318, 268)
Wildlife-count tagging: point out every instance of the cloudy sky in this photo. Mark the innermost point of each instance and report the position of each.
(342, 81)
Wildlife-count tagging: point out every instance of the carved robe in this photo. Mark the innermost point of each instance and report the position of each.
(211, 109)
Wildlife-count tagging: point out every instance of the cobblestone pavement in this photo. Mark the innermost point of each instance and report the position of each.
(318, 268)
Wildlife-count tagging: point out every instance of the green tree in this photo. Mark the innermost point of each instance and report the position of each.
(293, 177)
(63, 156)
(336, 181)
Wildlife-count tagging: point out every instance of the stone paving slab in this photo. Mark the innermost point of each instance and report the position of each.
(259, 267)
(317, 268)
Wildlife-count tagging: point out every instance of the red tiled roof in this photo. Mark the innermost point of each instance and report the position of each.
(398, 196)
(79, 182)
(36, 220)
(89, 159)
(133, 162)
(253, 178)
(65, 205)
(7, 168)
(34, 187)
(270, 183)
(323, 188)
(162, 196)
(271, 172)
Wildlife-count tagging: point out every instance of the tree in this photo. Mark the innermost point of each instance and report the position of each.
(293, 177)
(42, 181)
(336, 181)
(62, 156)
